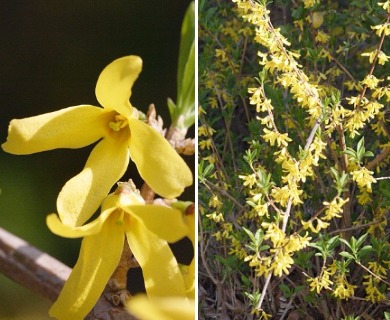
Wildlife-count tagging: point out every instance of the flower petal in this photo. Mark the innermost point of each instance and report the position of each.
(57, 227)
(166, 223)
(72, 127)
(170, 308)
(113, 88)
(82, 195)
(157, 162)
(99, 256)
(159, 266)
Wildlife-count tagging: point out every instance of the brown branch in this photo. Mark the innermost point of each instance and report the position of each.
(378, 159)
(30, 267)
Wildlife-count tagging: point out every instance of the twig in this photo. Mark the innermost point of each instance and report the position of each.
(31, 267)
(378, 159)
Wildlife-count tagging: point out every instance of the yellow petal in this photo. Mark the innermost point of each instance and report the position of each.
(113, 88)
(166, 223)
(99, 256)
(159, 266)
(57, 227)
(170, 308)
(157, 162)
(73, 127)
(82, 195)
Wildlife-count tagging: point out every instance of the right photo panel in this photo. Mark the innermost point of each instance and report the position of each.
(293, 159)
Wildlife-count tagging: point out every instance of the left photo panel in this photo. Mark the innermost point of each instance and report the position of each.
(97, 160)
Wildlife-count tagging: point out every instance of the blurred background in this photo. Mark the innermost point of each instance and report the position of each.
(52, 53)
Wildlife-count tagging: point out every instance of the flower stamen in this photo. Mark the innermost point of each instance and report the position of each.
(120, 220)
(119, 123)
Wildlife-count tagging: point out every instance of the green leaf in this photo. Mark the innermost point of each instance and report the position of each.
(347, 255)
(345, 242)
(183, 112)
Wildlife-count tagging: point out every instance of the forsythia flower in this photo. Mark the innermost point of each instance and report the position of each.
(273, 136)
(282, 262)
(322, 37)
(363, 178)
(121, 135)
(344, 290)
(334, 208)
(148, 229)
(320, 225)
(371, 81)
(320, 282)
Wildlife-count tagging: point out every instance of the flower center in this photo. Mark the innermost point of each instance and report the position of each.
(119, 123)
(120, 221)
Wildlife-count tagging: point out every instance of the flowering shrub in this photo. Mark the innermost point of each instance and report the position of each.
(294, 159)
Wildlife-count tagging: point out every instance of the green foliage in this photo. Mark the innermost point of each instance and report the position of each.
(183, 112)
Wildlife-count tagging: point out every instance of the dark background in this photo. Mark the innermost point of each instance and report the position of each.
(51, 55)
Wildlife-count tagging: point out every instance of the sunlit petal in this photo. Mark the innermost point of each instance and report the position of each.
(72, 127)
(171, 308)
(99, 256)
(82, 195)
(113, 88)
(166, 223)
(159, 266)
(157, 162)
(56, 226)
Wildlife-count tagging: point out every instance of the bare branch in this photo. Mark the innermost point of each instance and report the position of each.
(30, 267)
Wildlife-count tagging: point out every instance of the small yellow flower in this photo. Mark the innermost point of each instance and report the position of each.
(310, 3)
(344, 289)
(371, 81)
(215, 202)
(385, 5)
(320, 282)
(320, 225)
(282, 262)
(273, 136)
(363, 178)
(335, 208)
(148, 229)
(322, 37)
(120, 134)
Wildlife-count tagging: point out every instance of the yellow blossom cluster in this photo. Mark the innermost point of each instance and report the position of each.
(279, 258)
(322, 281)
(363, 178)
(343, 289)
(373, 280)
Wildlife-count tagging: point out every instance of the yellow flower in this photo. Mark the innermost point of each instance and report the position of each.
(148, 229)
(363, 178)
(334, 208)
(320, 282)
(322, 37)
(310, 3)
(371, 81)
(167, 308)
(121, 135)
(319, 225)
(274, 136)
(282, 262)
(344, 289)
